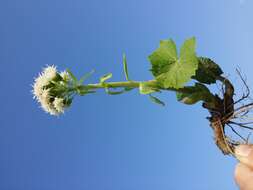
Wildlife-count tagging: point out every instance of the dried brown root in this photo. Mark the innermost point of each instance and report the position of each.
(223, 113)
(220, 138)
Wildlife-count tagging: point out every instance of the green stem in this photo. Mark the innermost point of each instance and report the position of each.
(132, 84)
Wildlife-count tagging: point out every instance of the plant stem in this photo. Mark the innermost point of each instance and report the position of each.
(130, 84)
(133, 84)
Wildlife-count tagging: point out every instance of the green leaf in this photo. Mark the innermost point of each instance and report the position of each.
(128, 88)
(145, 88)
(163, 56)
(72, 76)
(156, 100)
(83, 78)
(125, 67)
(108, 91)
(194, 94)
(67, 102)
(207, 71)
(82, 93)
(105, 77)
(168, 69)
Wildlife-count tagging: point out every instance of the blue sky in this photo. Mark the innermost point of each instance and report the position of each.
(122, 142)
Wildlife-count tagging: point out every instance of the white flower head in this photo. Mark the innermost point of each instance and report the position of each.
(50, 72)
(49, 108)
(42, 93)
(59, 104)
(51, 90)
(44, 78)
(45, 96)
(46, 104)
(38, 86)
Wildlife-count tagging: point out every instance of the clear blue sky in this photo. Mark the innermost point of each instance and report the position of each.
(113, 143)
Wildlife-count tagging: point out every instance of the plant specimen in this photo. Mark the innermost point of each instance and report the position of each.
(184, 73)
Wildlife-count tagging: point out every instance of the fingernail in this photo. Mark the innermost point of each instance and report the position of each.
(243, 150)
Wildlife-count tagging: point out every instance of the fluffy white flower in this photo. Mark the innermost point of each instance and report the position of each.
(46, 103)
(59, 104)
(44, 78)
(42, 93)
(38, 85)
(49, 109)
(50, 72)
(45, 95)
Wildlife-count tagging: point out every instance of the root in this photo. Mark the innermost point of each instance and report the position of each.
(224, 113)
(220, 137)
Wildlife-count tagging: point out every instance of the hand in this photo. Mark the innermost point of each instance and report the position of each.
(244, 170)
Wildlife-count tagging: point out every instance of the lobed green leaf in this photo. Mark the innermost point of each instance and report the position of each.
(171, 71)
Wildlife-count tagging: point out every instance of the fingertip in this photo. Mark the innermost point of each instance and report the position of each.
(243, 176)
(237, 174)
(243, 150)
(244, 153)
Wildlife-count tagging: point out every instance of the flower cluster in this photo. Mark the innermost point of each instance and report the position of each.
(49, 90)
